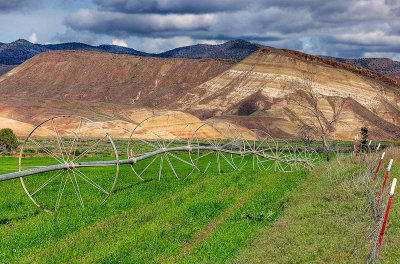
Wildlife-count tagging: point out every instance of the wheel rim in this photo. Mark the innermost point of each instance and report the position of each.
(163, 131)
(261, 146)
(220, 135)
(68, 139)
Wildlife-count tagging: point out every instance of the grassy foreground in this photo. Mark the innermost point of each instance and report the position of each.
(330, 218)
(207, 218)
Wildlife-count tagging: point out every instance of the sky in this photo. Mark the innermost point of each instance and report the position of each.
(340, 28)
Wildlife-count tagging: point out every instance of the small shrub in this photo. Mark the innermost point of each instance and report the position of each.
(29, 151)
(8, 140)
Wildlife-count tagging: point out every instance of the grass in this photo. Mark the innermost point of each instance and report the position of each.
(329, 218)
(207, 218)
(242, 217)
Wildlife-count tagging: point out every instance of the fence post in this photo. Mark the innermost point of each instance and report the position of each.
(384, 182)
(376, 150)
(356, 145)
(366, 152)
(379, 165)
(386, 214)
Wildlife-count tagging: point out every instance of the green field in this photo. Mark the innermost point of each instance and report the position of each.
(206, 218)
(323, 216)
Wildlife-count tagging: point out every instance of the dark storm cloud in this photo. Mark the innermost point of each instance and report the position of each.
(11, 5)
(171, 6)
(315, 26)
(120, 24)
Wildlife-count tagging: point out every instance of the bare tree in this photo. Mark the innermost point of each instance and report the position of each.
(304, 97)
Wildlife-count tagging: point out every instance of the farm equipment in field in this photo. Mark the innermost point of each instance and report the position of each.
(78, 152)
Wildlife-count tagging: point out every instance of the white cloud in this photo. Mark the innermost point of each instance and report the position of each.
(391, 55)
(157, 45)
(211, 42)
(33, 38)
(119, 42)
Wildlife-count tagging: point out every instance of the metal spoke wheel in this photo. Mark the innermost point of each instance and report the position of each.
(261, 146)
(306, 158)
(284, 156)
(68, 140)
(174, 137)
(221, 147)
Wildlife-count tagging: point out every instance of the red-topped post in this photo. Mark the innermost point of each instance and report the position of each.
(356, 145)
(384, 182)
(366, 152)
(376, 150)
(386, 215)
(379, 165)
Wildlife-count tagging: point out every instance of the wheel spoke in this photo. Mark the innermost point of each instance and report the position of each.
(176, 157)
(218, 163)
(172, 167)
(52, 154)
(59, 140)
(177, 136)
(61, 191)
(259, 162)
(226, 159)
(73, 142)
(91, 147)
(90, 181)
(58, 173)
(148, 143)
(202, 156)
(148, 165)
(159, 172)
(161, 142)
(76, 188)
(230, 142)
(258, 147)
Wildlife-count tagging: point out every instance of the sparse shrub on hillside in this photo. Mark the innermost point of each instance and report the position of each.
(8, 140)
(364, 135)
(305, 98)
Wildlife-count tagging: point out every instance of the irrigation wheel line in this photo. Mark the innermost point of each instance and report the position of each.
(260, 145)
(310, 157)
(223, 141)
(171, 134)
(67, 140)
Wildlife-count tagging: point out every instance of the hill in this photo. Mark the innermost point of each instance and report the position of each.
(19, 51)
(253, 87)
(251, 93)
(234, 50)
(385, 66)
(99, 85)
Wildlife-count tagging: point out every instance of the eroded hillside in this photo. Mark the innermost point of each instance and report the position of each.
(257, 85)
(252, 93)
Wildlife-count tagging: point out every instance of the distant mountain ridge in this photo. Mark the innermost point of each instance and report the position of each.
(233, 50)
(385, 66)
(15, 53)
(19, 51)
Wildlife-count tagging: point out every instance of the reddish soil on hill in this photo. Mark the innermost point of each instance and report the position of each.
(101, 77)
